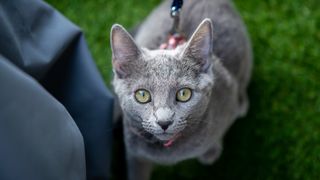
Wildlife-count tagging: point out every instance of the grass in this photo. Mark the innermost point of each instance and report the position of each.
(280, 137)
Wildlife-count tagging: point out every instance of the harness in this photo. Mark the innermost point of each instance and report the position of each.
(175, 38)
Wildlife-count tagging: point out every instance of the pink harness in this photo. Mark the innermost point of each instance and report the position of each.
(173, 41)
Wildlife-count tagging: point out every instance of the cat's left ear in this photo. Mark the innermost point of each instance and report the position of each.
(199, 47)
(125, 52)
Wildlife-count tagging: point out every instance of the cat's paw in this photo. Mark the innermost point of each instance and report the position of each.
(211, 155)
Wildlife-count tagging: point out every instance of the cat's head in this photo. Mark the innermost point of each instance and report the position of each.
(163, 92)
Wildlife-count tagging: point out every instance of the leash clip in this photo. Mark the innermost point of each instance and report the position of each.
(175, 14)
(175, 38)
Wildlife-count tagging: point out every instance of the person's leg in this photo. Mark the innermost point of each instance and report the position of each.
(75, 82)
(45, 45)
(38, 138)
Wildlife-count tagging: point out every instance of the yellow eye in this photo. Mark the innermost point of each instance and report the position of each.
(142, 96)
(184, 95)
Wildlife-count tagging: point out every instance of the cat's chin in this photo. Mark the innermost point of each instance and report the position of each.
(165, 136)
(168, 139)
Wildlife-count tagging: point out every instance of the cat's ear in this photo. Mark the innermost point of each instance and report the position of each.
(199, 46)
(124, 51)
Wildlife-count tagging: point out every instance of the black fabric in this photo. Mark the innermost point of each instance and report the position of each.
(38, 138)
(47, 54)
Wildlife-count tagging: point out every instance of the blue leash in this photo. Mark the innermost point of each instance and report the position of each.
(175, 38)
(176, 7)
(175, 14)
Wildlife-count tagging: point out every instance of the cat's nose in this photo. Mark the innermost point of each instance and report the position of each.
(164, 124)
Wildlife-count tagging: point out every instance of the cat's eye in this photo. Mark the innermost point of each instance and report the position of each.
(142, 96)
(184, 95)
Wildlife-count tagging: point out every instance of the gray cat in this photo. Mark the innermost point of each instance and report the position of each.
(178, 104)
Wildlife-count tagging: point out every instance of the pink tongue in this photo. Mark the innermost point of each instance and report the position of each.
(169, 143)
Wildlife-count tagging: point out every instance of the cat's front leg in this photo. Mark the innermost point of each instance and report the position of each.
(138, 168)
(210, 156)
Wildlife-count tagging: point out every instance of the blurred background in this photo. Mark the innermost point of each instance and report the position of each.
(280, 137)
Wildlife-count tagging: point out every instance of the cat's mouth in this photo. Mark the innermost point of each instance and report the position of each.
(168, 139)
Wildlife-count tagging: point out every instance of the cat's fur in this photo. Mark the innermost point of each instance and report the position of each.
(215, 63)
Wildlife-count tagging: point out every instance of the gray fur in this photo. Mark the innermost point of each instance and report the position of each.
(215, 63)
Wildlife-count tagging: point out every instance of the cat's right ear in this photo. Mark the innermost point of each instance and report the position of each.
(124, 51)
(199, 46)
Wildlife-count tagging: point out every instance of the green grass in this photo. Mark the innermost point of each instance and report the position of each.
(280, 137)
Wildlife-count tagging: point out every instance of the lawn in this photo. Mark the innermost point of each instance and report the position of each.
(280, 137)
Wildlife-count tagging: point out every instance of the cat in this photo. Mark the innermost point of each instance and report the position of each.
(178, 104)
